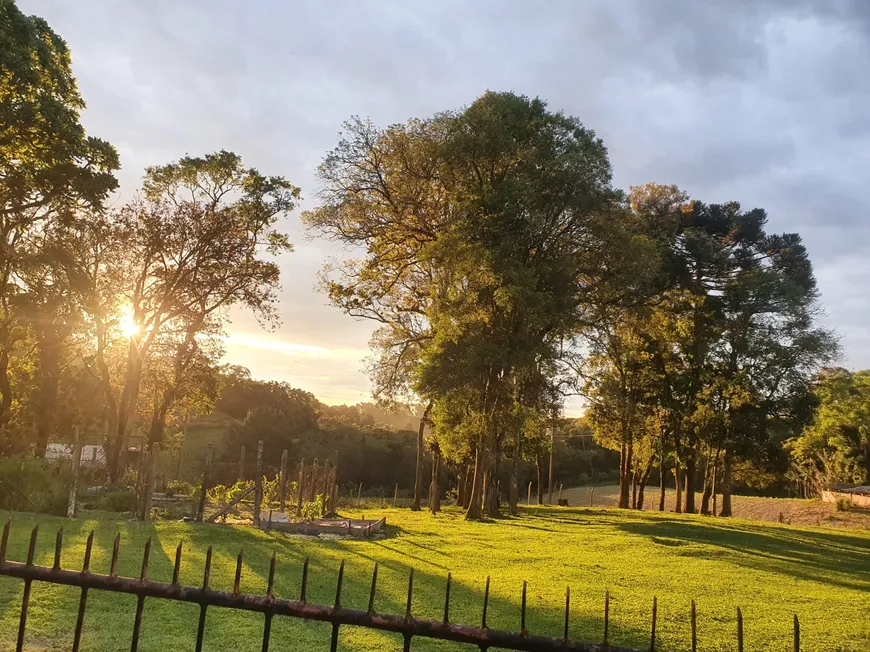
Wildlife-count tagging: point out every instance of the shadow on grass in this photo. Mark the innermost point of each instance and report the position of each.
(168, 625)
(828, 557)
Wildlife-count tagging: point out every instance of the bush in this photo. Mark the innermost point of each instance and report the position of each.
(117, 500)
(842, 504)
(179, 488)
(314, 509)
(34, 485)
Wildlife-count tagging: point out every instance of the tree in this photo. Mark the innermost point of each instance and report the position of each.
(835, 447)
(49, 168)
(194, 248)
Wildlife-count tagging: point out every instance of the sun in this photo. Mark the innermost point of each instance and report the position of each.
(126, 325)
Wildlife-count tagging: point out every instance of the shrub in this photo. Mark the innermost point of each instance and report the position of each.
(314, 509)
(117, 500)
(31, 484)
(179, 488)
(842, 504)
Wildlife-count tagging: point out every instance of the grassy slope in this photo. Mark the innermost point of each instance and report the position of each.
(770, 571)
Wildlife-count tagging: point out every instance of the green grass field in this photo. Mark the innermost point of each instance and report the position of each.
(770, 571)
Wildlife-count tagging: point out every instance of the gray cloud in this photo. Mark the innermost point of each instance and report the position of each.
(762, 101)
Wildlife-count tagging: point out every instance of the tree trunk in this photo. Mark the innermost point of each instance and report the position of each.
(473, 511)
(460, 487)
(434, 493)
(126, 408)
(726, 484)
(540, 480)
(418, 477)
(705, 496)
(662, 484)
(641, 485)
(689, 505)
(678, 484)
(514, 492)
(625, 479)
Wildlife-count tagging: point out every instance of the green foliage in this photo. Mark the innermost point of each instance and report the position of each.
(116, 500)
(29, 484)
(312, 510)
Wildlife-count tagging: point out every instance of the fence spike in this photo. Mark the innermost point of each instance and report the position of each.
(371, 608)
(177, 569)
(116, 547)
(86, 565)
(32, 549)
(652, 639)
(145, 557)
(339, 584)
(567, 611)
(58, 545)
(694, 628)
(485, 603)
(5, 540)
(606, 616)
(739, 630)
(410, 593)
(83, 600)
(447, 600)
(267, 631)
(797, 634)
(206, 575)
(523, 629)
(270, 588)
(238, 579)
(304, 592)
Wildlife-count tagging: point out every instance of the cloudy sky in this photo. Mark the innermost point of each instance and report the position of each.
(766, 102)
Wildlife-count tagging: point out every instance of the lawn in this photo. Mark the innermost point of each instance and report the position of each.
(771, 571)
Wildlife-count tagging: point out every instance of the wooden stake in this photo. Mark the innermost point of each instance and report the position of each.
(258, 483)
(76, 463)
(283, 480)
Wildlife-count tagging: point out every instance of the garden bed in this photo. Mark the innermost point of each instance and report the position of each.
(341, 526)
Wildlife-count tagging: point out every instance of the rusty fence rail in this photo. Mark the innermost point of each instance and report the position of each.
(270, 606)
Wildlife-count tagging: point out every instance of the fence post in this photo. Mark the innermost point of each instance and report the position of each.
(560, 492)
(395, 495)
(358, 494)
(148, 490)
(181, 452)
(312, 485)
(76, 463)
(591, 495)
(242, 464)
(258, 483)
(201, 510)
(283, 480)
(300, 488)
(529, 500)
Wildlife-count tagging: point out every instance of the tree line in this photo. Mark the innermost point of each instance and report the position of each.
(502, 268)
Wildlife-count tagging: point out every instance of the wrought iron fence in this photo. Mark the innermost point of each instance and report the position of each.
(270, 605)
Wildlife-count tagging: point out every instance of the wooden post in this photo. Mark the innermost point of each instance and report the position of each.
(242, 464)
(201, 510)
(311, 486)
(148, 489)
(560, 492)
(395, 495)
(529, 501)
(359, 494)
(76, 463)
(283, 480)
(300, 487)
(181, 453)
(258, 483)
(591, 495)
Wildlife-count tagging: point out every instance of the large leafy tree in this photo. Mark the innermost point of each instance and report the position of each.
(49, 167)
(480, 232)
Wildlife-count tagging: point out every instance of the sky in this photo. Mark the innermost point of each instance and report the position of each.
(766, 102)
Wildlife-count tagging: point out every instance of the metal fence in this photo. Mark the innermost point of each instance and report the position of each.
(270, 605)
